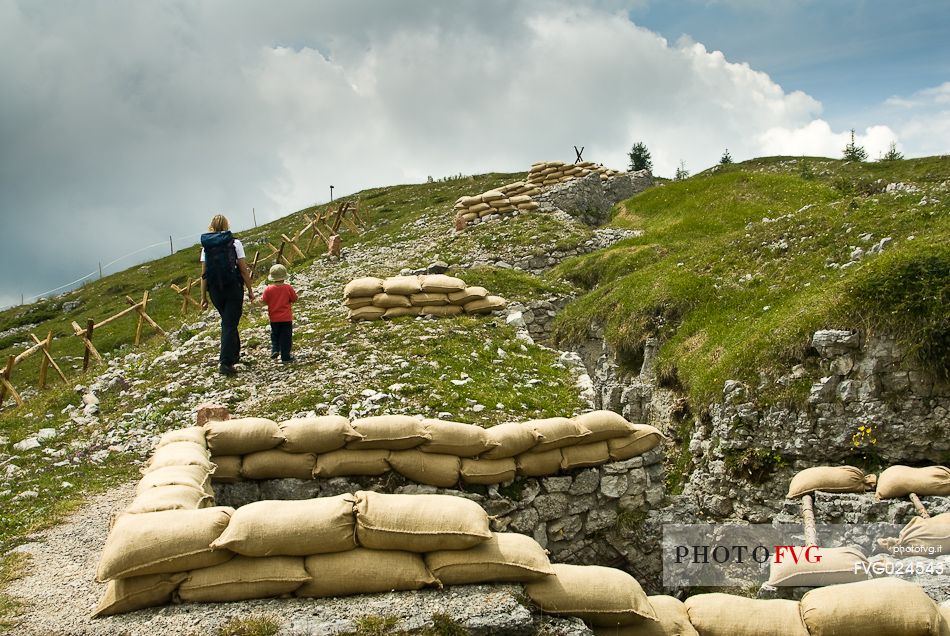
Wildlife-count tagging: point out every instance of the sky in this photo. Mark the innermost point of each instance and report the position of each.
(125, 122)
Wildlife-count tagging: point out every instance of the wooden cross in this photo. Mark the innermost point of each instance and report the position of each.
(253, 269)
(143, 317)
(185, 293)
(47, 360)
(578, 153)
(86, 335)
(5, 382)
(292, 242)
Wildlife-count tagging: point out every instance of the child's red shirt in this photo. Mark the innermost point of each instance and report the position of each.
(278, 299)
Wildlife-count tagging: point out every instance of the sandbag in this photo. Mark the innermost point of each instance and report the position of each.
(604, 425)
(539, 463)
(163, 542)
(344, 463)
(925, 536)
(367, 313)
(399, 312)
(137, 592)
(881, 606)
(829, 479)
(719, 614)
(195, 476)
(179, 454)
(389, 432)
(441, 284)
(441, 310)
(671, 616)
(291, 528)
(597, 595)
(505, 557)
(900, 481)
(584, 455)
(423, 299)
(419, 523)
(837, 565)
(558, 432)
(402, 286)
(242, 436)
(485, 305)
(492, 195)
(432, 469)
(510, 438)
(356, 303)
(169, 498)
(643, 438)
(244, 578)
(455, 438)
(467, 295)
(316, 434)
(362, 287)
(387, 301)
(228, 468)
(193, 434)
(488, 471)
(278, 464)
(363, 571)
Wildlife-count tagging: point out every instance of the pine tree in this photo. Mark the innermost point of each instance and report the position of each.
(726, 158)
(640, 157)
(892, 153)
(681, 172)
(854, 152)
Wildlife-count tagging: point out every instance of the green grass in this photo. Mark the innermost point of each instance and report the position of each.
(257, 625)
(442, 625)
(732, 271)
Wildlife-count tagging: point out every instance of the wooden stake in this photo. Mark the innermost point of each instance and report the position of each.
(48, 359)
(87, 338)
(5, 382)
(808, 517)
(23, 355)
(292, 244)
(919, 506)
(280, 255)
(138, 327)
(254, 215)
(254, 264)
(171, 246)
(115, 317)
(144, 316)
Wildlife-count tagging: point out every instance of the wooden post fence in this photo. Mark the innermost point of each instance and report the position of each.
(42, 346)
(91, 327)
(185, 293)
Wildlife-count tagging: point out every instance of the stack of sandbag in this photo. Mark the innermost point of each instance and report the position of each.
(427, 451)
(504, 200)
(370, 298)
(928, 537)
(900, 481)
(830, 479)
(824, 566)
(548, 173)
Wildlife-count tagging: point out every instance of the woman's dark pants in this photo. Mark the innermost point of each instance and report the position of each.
(229, 301)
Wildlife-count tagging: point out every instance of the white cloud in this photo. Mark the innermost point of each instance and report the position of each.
(817, 139)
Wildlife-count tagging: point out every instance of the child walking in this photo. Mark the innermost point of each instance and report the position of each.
(278, 297)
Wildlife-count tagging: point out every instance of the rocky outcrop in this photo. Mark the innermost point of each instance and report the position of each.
(590, 198)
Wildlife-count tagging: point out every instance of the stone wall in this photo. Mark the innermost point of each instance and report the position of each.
(589, 199)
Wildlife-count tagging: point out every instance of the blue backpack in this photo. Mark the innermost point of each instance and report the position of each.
(221, 263)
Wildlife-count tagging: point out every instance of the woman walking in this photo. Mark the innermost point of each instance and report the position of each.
(224, 276)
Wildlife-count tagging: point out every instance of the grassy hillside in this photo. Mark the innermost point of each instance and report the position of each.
(738, 265)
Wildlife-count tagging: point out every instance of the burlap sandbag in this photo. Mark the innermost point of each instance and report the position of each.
(505, 557)
(643, 438)
(558, 432)
(727, 615)
(228, 468)
(441, 310)
(829, 479)
(163, 542)
(467, 295)
(597, 595)
(539, 463)
(345, 463)
(455, 438)
(671, 616)
(881, 606)
(432, 469)
(520, 198)
(244, 578)
(424, 299)
(388, 301)
(368, 286)
(278, 464)
(900, 481)
(530, 205)
(195, 476)
(604, 425)
(388, 432)
(485, 305)
(467, 201)
(837, 565)
(419, 523)
(929, 536)
(363, 571)
(137, 592)
(169, 498)
(242, 436)
(584, 455)
(367, 313)
(356, 303)
(179, 454)
(512, 438)
(317, 434)
(193, 434)
(478, 208)
(442, 284)
(488, 471)
(291, 528)
(402, 286)
(400, 312)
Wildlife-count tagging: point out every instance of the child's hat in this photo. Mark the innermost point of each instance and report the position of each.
(278, 274)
